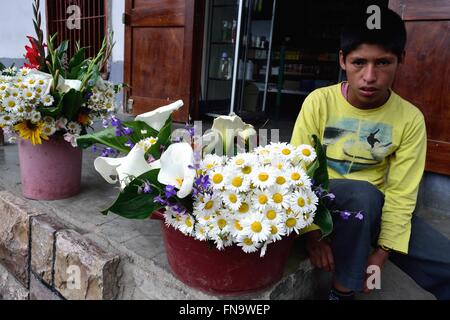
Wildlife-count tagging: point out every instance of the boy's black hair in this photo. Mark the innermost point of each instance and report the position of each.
(391, 35)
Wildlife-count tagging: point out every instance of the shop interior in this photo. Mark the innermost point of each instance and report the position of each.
(261, 58)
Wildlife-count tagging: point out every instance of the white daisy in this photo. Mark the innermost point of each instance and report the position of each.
(232, 199)
(49, 121)
(294, 222)
(311, 200)
(260, 199)
(31, 81)
(308, 218)
(209, 204)
(280, 163)
(263, 176)
(272, 214)
(287, 151)
(10, 104)
(236, 228)
(248, 246)
(47, 100)
(201, 232)
(147, 143)
(6, 120)
(217, 178)
(211, 162)
(24, 71)
(299, 201)
(245, 204)
(186, 225)
(35, 116)
(48, 130)
(298, 177)
(281, 179)
(279, 198)
(236, 180)
(74, 127)
(223, 240)
(256, 227)
(220, 224)
(307, 153)
(277, 231)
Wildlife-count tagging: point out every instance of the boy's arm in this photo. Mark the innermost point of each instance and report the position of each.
(405, 172)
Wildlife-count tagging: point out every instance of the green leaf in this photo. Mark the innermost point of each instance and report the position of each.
(2, 66)
(76, 63)
(108, 137)
(323, 220)
(132, 205)
(71, 103)
(320, 175)
(163, 139)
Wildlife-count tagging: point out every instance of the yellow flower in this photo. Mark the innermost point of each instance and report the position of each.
(31, 131)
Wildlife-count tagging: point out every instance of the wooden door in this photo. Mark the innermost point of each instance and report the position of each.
(424, 77)
(162, 41)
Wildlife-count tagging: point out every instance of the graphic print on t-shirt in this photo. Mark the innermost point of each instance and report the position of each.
(354, 144)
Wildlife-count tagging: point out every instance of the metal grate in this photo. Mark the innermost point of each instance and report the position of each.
(93, 24)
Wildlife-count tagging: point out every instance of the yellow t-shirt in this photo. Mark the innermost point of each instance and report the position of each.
(385, 146)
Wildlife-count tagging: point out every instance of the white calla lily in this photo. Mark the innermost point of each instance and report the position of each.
(157, 118)
(176, 170)
(119, 169)
(69, 84)
(229, 127)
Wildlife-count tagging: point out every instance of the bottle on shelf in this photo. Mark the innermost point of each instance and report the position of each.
(225, 67)
(233, 31)
(249, 70)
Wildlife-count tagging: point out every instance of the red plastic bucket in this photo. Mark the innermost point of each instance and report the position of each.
(227, 272)
(51, 170)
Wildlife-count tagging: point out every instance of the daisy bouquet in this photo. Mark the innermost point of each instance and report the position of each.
(249, 198)
(53, 95)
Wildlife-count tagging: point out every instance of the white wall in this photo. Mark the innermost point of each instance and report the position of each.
(16, 22)
(118, 8)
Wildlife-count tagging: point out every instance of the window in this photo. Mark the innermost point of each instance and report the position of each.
(89, 31)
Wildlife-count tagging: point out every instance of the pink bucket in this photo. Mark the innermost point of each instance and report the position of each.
(50, 171)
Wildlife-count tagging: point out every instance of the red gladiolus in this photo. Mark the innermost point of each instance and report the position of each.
(32, 55)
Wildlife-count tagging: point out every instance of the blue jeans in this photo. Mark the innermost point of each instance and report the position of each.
(428, 258)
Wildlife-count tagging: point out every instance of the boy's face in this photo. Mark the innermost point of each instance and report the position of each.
(370, 73)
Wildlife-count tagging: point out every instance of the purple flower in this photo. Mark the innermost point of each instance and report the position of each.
(94, 148)
(345, 214)
(127, 131)
(359, 215)
(170, 191)
(129, 144)
(115, 122)
(88, 95)
(178, 208)
(118, 132)
(105, 123)
(160, 200)
(190, 129)
(331, 195)
(146, 187)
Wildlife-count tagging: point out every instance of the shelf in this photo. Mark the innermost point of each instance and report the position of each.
(225, 6)
(223, 42)
(296, 92)
(218, 79)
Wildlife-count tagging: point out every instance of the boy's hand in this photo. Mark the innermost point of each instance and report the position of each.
(377, 258)
(319, 251)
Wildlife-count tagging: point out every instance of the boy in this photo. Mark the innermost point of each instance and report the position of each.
(375, 144)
